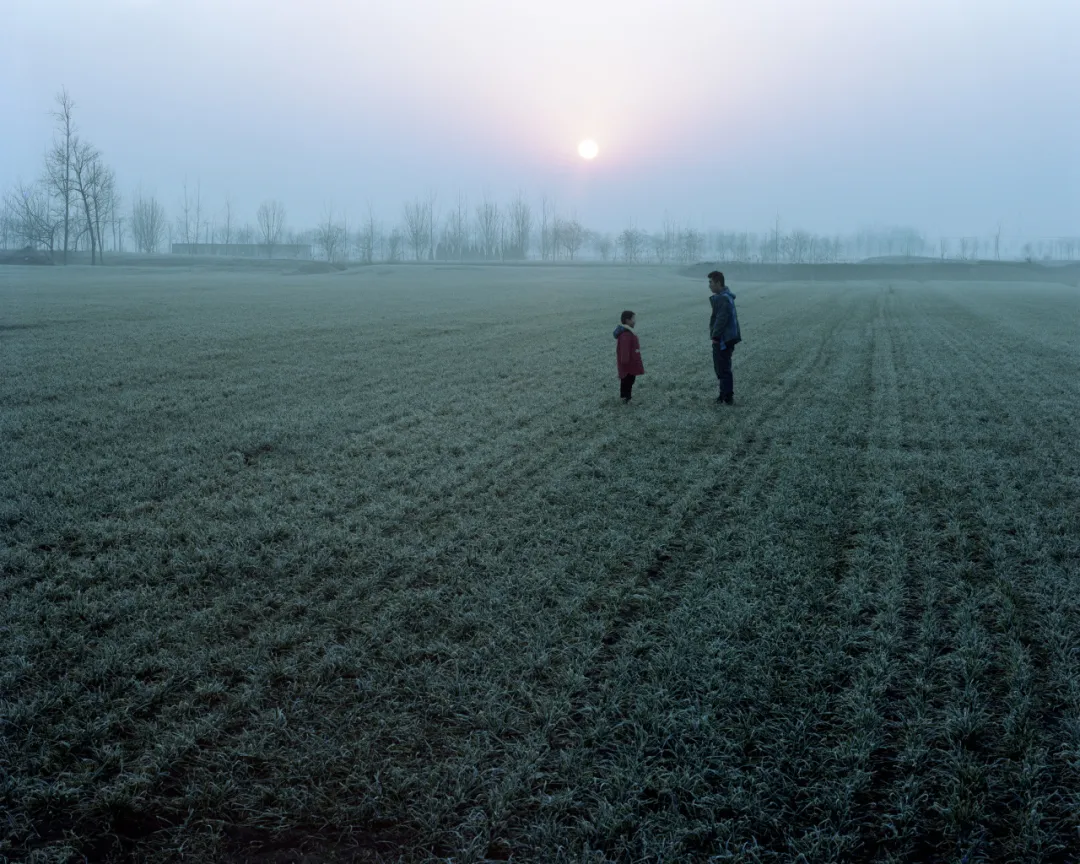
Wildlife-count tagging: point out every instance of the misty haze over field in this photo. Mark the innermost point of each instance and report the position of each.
(311, 550)
(954, 118)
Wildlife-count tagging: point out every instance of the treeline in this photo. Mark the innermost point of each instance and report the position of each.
(74, 205)
(515, 232)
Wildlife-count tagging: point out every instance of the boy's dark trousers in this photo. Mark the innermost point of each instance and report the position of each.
(721, 358)
(626, 385)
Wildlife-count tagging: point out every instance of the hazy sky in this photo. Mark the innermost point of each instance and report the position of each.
(948, 115)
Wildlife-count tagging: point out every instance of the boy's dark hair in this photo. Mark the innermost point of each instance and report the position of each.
(626, 316)
(718, 277)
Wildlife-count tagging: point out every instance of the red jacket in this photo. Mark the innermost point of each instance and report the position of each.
(628, 352)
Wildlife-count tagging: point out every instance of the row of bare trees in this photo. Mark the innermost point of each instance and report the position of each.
(484, 231)
(195, 228)
(487, 231)
(73, 204)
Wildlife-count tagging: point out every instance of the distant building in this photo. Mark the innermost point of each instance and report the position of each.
(297, 251)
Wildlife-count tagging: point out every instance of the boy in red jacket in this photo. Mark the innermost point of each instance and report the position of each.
(628, 355)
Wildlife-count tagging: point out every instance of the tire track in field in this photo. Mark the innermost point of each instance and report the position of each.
(684, 517)
(524, 462)
(651, 590)
(875, 583)
(911, 721)
(521, 465)
(1011, 595)
(933, 661)
(514, 454)
(592, 711)
(531, 460)
(686, 520)
(994, 367)
(883, 601)
(952, 684)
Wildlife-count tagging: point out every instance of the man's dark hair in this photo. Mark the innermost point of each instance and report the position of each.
(718, 277)
(626, 316)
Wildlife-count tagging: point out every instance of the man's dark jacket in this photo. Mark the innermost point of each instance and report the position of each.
(724, 323)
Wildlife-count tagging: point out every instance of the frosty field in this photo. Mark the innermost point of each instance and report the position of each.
(375, 566)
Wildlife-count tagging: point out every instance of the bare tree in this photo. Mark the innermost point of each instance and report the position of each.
(663, 241)
(202, 226)
(228, 226)
(30, 218)
(556, 239)
(776, 241)
(368, 237)
(183, 219)
(189, 220)
(271, 220)
(572, 237)
(456, 232)
(395, 245)
(117, 222)
(670, 231)
(799, 245)
(604, 246)
(88, 173)
(416, 227)
(547, 244)
(432, 197)
(504, 237)
(724, 245)
(195, 228)
(487, 227)
(520, 226)
(58, 167)
(631, 241)
(148, 223)
(689, 245)
(743, 246)
(103, 200)
(659, 247)
(7, 228)
(330, 236)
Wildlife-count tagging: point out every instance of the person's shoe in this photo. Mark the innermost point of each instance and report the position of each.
(719, 400)
(626, 400)
(729, 399)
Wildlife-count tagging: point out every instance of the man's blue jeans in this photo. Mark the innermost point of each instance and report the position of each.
(721, 358)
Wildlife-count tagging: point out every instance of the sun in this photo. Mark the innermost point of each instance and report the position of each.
(587, 149)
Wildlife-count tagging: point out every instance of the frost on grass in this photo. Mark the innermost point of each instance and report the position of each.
(289, 573)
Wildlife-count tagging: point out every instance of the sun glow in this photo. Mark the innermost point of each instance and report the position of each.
(587, 149)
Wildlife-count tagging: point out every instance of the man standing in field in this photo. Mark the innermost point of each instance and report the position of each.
(627, 355)
(725, 335)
